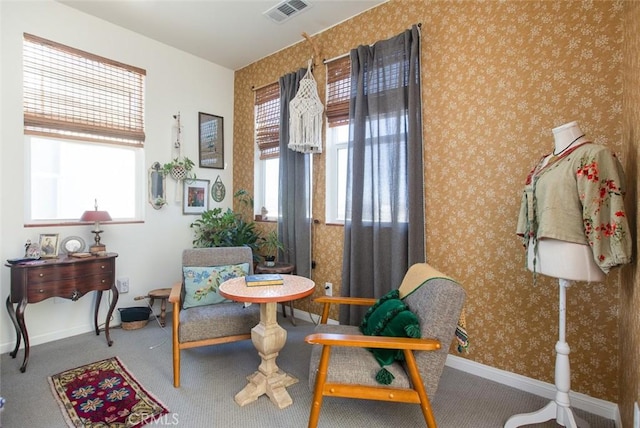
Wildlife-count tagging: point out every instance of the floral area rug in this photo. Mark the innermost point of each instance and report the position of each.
(104, 394)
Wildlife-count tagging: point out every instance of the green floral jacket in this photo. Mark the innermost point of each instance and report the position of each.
(578, 197)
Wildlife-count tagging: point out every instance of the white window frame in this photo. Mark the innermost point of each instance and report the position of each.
(76, 123)
(262, 187)
(88, 185)
(335, 176)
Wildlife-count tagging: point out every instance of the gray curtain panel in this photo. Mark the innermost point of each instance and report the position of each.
(294, 221)
(384, 222)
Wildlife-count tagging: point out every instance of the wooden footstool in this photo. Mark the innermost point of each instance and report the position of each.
(163, 295)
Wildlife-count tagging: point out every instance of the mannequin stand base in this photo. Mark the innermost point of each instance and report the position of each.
(563, 416)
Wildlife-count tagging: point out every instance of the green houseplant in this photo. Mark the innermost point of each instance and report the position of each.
(269, 248)
(179, 169)
(218, 228)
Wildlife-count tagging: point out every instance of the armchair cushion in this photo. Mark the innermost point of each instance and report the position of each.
(389, 316)
(201, 283)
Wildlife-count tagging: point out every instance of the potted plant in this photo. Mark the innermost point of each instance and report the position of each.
(218, 228)
(179, 168)
(270, 247)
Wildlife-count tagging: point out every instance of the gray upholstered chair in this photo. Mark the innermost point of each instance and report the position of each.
(342, 366)
(214, 323)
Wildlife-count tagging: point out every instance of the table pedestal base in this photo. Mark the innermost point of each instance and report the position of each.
(268, 338)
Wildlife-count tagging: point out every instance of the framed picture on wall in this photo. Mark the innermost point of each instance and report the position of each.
(195, 196)
(211, 140)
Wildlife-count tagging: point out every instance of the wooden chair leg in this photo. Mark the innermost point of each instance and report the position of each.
(176, 345)
(318, 389)
(416, 380)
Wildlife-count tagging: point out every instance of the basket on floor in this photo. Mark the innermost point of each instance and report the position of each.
(135, 317)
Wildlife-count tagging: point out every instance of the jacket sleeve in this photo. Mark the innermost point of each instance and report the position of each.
(600, 181)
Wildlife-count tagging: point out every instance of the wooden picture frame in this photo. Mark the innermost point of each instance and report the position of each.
(195, 196)
(211, 140)
(48, 245)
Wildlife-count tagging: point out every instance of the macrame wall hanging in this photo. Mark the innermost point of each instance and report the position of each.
(305, 120)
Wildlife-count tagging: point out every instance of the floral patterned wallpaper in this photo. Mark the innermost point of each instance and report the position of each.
(629, 323)
(496, 77)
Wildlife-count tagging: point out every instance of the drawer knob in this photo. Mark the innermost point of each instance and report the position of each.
(41, 275)
(41, 291)
(102, 267)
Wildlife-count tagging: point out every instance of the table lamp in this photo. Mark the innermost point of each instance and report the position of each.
(96, 217)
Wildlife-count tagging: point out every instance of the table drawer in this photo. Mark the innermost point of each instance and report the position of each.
(60, 273)
(72, 288)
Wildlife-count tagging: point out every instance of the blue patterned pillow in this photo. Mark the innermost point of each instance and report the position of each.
(201, 283)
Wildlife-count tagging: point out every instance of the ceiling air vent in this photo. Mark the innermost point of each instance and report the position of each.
(286, 10)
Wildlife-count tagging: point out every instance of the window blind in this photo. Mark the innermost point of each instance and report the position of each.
(78, 95)
(338, 91)
(267, 120)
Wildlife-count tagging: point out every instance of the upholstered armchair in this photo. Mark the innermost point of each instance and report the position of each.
(342, 364)
(201, 317)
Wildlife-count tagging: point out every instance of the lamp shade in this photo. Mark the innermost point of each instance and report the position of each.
(95, 216)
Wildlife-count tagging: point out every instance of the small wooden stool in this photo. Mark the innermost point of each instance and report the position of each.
(163, 295)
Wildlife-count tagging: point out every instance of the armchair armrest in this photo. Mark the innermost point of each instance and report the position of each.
(327, 301)
(363, 341)
(176, 289)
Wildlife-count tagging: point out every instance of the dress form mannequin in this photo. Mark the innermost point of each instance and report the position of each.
(567, 261)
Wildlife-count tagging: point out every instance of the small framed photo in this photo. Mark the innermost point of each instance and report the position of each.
(211, 140)
(195, 196)
(48, 245)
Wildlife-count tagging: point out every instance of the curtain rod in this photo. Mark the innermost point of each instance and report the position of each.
(325, 61)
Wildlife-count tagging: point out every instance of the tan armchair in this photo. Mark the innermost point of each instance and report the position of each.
(342, 366)
(215, 323)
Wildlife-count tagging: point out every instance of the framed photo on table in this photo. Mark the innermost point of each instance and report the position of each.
(211, 140)
(195, 196)
(49, 245)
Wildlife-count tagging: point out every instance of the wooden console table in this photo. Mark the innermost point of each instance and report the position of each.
(69, 278)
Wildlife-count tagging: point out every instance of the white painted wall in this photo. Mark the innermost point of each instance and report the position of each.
(149, 252)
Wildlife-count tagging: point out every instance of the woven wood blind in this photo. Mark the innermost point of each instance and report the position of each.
(74, 94)
(267, 111)
(338, 91)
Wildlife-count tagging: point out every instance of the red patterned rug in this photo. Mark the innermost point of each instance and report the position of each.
(104, 394)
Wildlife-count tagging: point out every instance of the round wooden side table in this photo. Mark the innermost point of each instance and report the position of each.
(282, 268)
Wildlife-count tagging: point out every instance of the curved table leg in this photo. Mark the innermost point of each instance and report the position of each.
(114, 300)
(12, 315)
(95, 315)
(268, 338)
(112, 306)
(25, 334)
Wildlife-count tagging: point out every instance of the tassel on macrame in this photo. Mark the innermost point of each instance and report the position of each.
(305, 117)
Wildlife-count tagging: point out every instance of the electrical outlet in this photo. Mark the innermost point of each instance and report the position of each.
(123, 285)
(636, 415)
(328, 289)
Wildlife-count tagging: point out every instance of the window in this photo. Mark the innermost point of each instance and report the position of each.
(84, 133)
(338, 95)
(267, 137)
(336, 184)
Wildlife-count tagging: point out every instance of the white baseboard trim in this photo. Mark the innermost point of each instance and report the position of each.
(306, 316)
(49, 337)
(596, 406)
